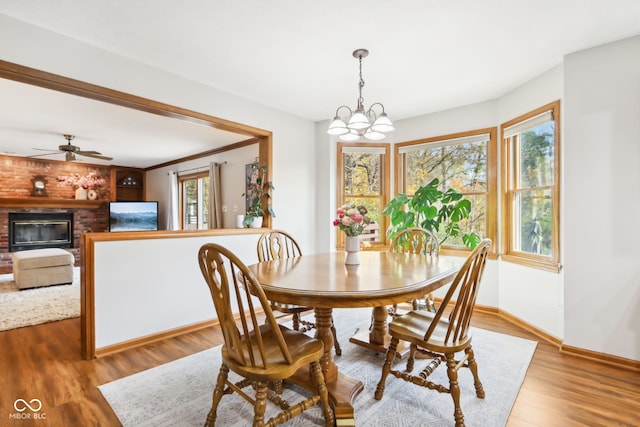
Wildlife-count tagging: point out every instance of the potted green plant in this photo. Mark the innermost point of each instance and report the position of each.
(430, 208)
(258, 191)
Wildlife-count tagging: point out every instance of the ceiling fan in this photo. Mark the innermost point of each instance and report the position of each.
(70, 151)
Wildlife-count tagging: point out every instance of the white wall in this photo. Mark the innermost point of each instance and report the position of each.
(602, 198)
(232, 176)
(157, 285)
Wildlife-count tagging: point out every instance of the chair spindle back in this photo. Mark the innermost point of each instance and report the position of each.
(277, 244)
(416, 241)
(235, 289)
(465, 290)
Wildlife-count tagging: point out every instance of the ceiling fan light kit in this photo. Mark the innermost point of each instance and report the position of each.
(360, 122)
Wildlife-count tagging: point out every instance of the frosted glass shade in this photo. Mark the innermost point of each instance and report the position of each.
(337, 127)
(383, 124)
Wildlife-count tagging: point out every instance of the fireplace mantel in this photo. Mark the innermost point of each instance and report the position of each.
(44, 202)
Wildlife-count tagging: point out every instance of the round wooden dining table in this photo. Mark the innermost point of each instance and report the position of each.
(324, 282)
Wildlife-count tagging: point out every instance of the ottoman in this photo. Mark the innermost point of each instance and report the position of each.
(42, 267)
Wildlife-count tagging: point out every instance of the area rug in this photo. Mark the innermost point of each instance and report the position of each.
(39, 305)
(179, 393)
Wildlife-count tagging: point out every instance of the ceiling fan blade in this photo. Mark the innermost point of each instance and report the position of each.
(95, 156)
(45, 149)
(45, 154)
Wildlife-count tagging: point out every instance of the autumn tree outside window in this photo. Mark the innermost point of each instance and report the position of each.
(464, 161)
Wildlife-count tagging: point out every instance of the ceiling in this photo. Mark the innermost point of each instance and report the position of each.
(295, 56)
(35, 121)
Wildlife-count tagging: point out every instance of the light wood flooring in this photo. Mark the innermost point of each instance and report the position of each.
(44, 362)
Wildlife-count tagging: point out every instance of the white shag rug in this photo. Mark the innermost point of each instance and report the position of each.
(179, 393)
(39, 305)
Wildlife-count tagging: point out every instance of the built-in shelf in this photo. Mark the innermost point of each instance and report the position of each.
(44, 202)
(127, 184)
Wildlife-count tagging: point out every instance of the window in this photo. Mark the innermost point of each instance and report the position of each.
(531, 188)
(194, 197)
(363, 178)
(461, 161)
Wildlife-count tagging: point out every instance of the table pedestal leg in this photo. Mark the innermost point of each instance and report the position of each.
(376, 337)
(343, 389)
(324, 319)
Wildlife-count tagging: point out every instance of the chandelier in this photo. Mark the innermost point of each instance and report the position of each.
(361, 122)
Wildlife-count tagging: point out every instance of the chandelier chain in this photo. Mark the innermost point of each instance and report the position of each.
(360, 85)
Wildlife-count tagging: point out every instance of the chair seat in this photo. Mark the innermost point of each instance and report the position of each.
(303, 348)
(411, 326)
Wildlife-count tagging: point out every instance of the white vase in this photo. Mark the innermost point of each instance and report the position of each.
(92, 194)
(257, 222)
(352, 248)
(81, 193)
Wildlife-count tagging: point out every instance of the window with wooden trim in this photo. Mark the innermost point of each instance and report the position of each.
(194, 201)
(463, 161)
(531, 196)
(363, 178)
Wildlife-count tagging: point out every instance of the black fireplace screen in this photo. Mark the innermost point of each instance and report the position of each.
(40, 230)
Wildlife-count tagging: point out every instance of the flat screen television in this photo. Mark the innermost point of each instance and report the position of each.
(133, 216)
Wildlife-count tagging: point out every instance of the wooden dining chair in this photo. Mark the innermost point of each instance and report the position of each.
(439, 336)
(277, 244)
(416, 241)
(260, 352)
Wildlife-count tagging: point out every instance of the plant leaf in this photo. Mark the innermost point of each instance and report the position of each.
(471, 240)
(461, 210)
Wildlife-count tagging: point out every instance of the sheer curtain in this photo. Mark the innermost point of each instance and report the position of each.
(173, 217)
(215, 196)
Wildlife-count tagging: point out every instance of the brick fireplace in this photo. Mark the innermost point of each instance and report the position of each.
(17, 196)
(84, 220)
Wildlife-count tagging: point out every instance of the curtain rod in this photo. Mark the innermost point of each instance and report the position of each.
(199, 167)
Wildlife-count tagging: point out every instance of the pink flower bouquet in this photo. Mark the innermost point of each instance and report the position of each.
(351, 219)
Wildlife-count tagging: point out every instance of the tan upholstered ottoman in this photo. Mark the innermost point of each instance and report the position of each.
(42, 267)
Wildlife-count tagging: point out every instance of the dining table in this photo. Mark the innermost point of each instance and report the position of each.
(323, 281)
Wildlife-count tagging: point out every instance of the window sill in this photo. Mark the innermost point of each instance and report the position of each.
(545, 265)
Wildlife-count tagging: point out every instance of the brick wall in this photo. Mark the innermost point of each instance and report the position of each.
(16, 175)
